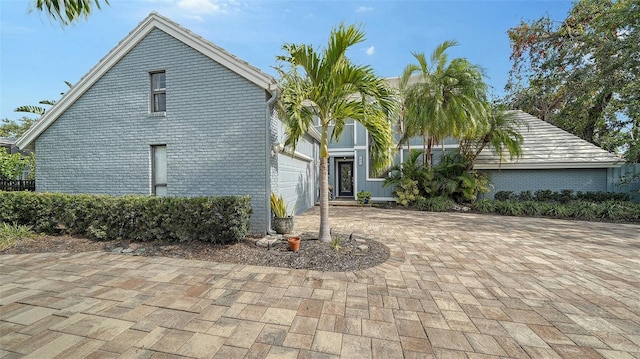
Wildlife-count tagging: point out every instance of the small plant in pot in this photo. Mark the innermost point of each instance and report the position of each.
(282, 220)
(364, 197)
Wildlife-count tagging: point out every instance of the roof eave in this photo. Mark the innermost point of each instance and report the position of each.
(151, 22)
(555, 165)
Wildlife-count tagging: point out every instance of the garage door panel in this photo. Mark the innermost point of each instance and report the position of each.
(295, 183)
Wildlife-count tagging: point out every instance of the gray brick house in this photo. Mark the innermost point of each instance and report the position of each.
(553, 159)
(168, 113)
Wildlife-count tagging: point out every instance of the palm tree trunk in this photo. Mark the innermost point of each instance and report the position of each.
(425, 160)
(325, 232)
(428, 151)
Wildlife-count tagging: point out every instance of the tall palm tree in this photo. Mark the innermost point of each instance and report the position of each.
(327, 86)
(67, 11)
(502, 135)
(449, 98)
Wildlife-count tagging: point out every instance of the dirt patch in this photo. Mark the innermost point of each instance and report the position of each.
(351, 255)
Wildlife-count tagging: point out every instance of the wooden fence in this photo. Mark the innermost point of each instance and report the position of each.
(17, 185)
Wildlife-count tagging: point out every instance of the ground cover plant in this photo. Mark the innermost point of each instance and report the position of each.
(590, 206)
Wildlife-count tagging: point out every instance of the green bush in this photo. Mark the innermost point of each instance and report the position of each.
(435, 204)
(144, 218)
(485, 206)
(408, 192)
(575, 209)
(503, 195)
(564, 196)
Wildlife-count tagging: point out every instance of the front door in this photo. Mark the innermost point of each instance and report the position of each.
(345, 179)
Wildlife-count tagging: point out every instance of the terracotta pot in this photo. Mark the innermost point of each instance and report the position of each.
(294, 243)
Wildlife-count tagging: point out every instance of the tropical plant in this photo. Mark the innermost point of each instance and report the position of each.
(325, 85)
(68, 11)
(407, 192)
(502, 135)
(454, 179)
(447, 100)
(279, 207)
(450, 178)
(410, 168)
(39, 110)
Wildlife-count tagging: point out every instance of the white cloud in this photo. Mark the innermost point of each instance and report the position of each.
(370, 51)
(364, 9)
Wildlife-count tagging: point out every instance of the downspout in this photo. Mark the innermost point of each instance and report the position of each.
(274, 97)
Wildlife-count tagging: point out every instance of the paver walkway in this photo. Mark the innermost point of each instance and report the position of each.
(457, 285)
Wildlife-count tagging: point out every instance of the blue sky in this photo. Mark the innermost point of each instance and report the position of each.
(37, 55)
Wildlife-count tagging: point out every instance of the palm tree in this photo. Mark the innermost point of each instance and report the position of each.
(327, 86)
(502, 136)
(449, 99)
(38, 110)
(68, 11)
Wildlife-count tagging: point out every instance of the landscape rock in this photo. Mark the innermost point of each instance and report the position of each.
(269, 241)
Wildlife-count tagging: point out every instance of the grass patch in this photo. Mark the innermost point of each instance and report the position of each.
(11, 233)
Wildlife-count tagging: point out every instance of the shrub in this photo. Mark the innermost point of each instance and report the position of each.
(544, 195)
(435, 204)
(364, 197)
(485, 206)
(503, 195)
(145, 218)
(602, 196)
(525, 196)
(407, 192)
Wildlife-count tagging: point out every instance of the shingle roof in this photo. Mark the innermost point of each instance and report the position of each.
(547, 146)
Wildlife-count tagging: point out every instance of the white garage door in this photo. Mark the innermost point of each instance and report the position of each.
(295, 183)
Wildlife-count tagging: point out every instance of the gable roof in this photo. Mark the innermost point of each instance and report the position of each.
(151, 22)
(547, 146)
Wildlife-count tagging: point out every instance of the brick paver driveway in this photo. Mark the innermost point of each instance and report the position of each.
(457, 285)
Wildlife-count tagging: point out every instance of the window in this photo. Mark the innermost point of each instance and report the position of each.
(159, 170)
(158, 92)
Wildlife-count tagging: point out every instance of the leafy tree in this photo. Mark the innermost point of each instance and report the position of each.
(68, 11)
(502, 135)
(327, 86)
(12, 165)
(15, 129)
(448, 100)
(583, 74)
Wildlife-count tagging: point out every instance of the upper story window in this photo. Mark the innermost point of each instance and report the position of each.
(158, 92)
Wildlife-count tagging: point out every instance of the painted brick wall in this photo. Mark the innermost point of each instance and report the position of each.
(214, 130)
(584, 180)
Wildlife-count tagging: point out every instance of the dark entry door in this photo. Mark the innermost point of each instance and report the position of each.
(345, 179)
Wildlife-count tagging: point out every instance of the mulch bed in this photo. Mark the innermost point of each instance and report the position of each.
(351, 255)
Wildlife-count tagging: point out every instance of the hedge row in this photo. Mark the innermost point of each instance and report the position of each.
(563, 196)
(143, 218)
(583, 210)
